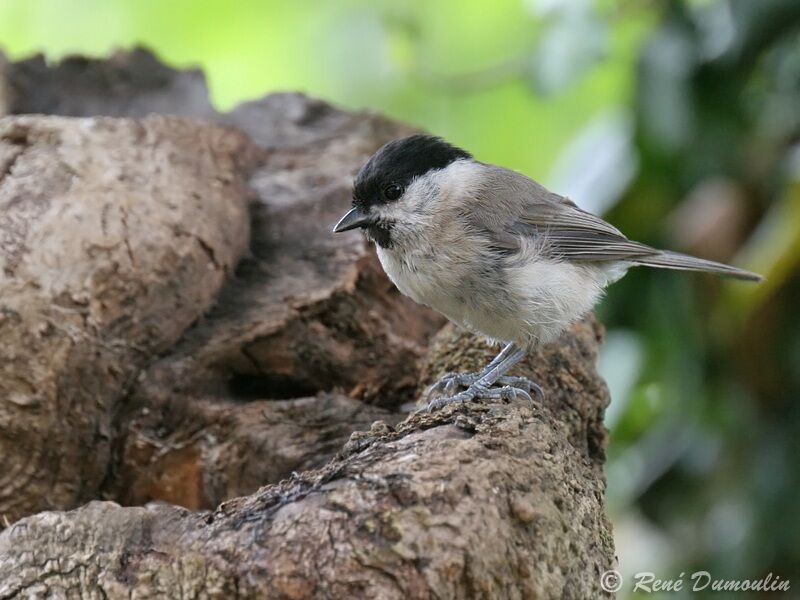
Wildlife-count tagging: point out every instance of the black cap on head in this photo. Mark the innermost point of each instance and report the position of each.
(400, 161)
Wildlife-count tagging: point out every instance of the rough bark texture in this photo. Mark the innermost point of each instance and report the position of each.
(114, 237)
(489, 501)
(178, 324)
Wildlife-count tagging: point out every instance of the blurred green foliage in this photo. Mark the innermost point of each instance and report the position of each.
(679, 119)
(465, 69)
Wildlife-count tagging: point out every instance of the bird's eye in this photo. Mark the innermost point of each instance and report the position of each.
(393, 191)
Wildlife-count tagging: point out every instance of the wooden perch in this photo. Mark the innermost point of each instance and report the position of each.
(178, 328)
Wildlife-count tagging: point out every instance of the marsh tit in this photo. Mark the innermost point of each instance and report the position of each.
(493, 251)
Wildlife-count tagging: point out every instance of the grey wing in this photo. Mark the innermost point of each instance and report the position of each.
(528, 210)
(573, 234)
(565, 230)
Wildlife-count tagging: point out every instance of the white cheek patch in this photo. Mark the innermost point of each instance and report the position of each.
(416, 201)
(421, 194)
(440, 189)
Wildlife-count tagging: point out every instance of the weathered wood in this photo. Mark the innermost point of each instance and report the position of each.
(115, 236)
(178, 324)
(493, 501)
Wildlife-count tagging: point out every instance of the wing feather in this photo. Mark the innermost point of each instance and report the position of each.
(587, 245)
(566, 231)
(521, 208)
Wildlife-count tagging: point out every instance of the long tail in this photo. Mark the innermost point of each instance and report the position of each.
(683, 262)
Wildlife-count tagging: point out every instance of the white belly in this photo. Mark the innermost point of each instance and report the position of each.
(529, 304)
(431, 280)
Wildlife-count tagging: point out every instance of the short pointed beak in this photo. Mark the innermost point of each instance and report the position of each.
(354, 218)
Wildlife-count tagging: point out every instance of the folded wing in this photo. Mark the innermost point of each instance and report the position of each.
(567, 232)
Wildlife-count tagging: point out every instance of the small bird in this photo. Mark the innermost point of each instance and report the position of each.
(494, 252)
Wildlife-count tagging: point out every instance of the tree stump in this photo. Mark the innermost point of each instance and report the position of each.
(186, 347)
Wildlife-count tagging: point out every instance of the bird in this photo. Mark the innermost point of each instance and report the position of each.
(494, 252)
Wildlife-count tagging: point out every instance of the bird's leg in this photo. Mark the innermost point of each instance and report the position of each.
(482, 387)
(450, 382)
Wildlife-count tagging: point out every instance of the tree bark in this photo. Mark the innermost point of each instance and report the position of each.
(114, 237)
(178, 327)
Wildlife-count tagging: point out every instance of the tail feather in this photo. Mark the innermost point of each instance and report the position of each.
(684, 262)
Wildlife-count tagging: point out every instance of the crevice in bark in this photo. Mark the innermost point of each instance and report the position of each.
(267, 387)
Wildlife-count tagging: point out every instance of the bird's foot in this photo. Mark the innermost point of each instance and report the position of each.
(519, 389)
(449, 384)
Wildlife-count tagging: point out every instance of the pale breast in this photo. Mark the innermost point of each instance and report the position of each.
(424, 279)
(471, 293)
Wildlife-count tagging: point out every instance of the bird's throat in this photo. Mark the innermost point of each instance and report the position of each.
(381, 233)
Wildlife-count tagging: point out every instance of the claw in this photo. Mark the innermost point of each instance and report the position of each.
(511, 394)
(449, 384)
(513, 388)
(521, 383)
